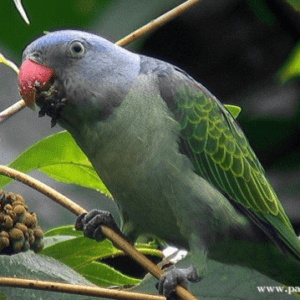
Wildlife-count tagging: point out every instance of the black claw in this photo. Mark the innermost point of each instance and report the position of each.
(78, 222)
(91, 223)
(42, 112)
(98, 235)
(53, 122)
(176, 276)
(191, 274)
(173, 296)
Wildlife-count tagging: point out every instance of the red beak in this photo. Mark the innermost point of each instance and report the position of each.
(33, 75)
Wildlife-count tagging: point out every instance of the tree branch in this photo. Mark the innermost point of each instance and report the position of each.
(108, 232)
(52, 286)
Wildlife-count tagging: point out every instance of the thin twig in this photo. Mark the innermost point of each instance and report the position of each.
(77, 289)
(9, 63)
(155, 24)
(150, 27)
(43, 188)
(10, 111)
(109, 233)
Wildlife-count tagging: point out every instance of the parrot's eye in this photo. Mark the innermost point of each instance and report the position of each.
(77, 48)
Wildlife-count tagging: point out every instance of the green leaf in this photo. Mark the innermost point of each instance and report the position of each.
(60, 158)
(291, 69)
(84, 255)
(109, 277)
(295, 4)
(63, 230)
(233, 109)
(36, 266)
(262, 11)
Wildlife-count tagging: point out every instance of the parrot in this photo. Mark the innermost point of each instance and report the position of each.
(174, 158)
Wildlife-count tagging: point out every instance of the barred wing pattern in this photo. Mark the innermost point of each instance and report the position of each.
(221, 153)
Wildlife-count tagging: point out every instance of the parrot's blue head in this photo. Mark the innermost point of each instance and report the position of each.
(89, 70)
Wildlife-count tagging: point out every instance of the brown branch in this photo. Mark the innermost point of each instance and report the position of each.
(155, 24)
(10, 111)
(77, 289)
(43, 188)
(109, 233)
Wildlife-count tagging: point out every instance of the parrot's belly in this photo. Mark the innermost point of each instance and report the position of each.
(144, 195)
(146, 179)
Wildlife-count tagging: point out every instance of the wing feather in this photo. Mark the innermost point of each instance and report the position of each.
(220, 151)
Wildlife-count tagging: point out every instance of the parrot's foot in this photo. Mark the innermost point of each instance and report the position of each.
(91, 223)
(176, 276)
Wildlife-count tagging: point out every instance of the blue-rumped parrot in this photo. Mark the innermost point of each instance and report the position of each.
(173, 157)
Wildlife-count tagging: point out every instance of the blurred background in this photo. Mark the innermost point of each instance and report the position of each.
(245, 52)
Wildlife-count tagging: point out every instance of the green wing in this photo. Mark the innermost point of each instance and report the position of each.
(220, 151)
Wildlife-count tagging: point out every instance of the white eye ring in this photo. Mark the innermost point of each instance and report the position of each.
(77, 48)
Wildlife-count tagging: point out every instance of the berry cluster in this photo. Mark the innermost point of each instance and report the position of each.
(19, 230)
